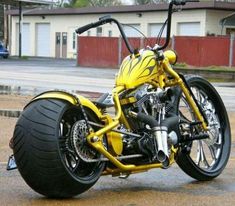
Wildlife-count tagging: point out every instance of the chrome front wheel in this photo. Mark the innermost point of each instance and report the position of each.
(205, 159)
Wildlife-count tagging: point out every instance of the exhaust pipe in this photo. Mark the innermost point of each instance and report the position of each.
(160, 134)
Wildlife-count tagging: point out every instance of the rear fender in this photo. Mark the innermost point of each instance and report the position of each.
(69, 97)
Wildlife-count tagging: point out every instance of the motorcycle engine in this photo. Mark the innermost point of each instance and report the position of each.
(154, 103)
(148, 101)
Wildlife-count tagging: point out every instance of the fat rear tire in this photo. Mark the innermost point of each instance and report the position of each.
(37, 151)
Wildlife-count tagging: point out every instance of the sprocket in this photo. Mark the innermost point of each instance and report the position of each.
(79, 143)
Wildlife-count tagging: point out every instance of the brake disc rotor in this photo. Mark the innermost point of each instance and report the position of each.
(214, 125)
(78, 140)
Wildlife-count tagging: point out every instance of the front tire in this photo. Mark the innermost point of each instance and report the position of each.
(44, 151)
(205, 159)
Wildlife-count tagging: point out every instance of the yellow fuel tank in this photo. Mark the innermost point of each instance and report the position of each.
(137, 69)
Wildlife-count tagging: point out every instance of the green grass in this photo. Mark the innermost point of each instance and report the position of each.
(181, 65)
(24, 58)
(220, 68)
(209, 68)
(211, 73)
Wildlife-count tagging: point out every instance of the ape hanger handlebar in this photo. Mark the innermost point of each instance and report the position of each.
(109, 19)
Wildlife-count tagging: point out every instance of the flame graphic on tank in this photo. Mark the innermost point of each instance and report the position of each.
(137, 70)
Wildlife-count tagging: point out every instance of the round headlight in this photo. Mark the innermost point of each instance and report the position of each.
(171, 56)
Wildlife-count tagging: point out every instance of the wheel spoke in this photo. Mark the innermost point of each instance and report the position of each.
(75, 151)
(77, 165)
(209, 150)
(208, 156)
(183, 117)
(213, 151)
(201, 158)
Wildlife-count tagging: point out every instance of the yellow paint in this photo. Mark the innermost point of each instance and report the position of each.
(189, 99)
(129, 100)
(71, 98)
(134, 71)
(138, 70)
(171, 56)
(133, 66)
(115, 143)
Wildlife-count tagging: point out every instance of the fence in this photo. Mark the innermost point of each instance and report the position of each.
(196, 51)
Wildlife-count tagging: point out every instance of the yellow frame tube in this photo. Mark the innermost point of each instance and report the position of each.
(98, 145)
(167, 67)
(110, 126)
(97, 142)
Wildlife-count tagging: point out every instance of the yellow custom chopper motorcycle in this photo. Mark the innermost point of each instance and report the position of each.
(63, 142)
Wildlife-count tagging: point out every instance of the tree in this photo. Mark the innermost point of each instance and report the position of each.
(76, 3)
(104, 3)
(141, 2)
(58, 3)
(84, 3)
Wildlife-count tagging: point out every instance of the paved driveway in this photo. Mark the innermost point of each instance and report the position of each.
(156, 187)
(36, 75)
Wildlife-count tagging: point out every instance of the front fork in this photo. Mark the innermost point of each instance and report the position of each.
(95, 138)
(181, 82)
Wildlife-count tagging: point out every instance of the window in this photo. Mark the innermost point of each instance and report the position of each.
(154, 30)
(74, 41)
(230, 31)
(88, 33)
(130, 31)
(99, 31)
(189, 29)
(110, 33)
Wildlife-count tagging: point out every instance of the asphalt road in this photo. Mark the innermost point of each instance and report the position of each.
(36, 75)
(155, 187)
(44, 74)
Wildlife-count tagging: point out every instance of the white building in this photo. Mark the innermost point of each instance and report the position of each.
(50, 33)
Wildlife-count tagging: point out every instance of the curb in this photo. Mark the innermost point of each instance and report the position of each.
(10, 113)
(210, 74)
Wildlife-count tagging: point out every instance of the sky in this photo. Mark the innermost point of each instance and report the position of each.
(127, 1)
(123, 1)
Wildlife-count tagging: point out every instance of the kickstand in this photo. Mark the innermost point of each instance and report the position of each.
(11, 165)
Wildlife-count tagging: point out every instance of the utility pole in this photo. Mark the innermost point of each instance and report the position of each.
(1, 21)
(5, 17)
(20, 29)
(231, 50)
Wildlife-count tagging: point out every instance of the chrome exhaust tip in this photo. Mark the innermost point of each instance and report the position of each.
(161, 156)
(162, 147)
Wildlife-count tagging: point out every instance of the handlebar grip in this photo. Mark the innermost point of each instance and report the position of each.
(84, 28)
(182, 2)
(102, 20)
(179, 2)
(89, 26)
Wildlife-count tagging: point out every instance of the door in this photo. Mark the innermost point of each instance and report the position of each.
(43, 39)
(230, 31)
(25, 40)
(189, 29)
(25, 46)
(57, 44)
(64, 45)
(130, 31)
(154, 30)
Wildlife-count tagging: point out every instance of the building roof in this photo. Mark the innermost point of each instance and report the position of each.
(228, 20)
(130, 8)
(26, 2)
